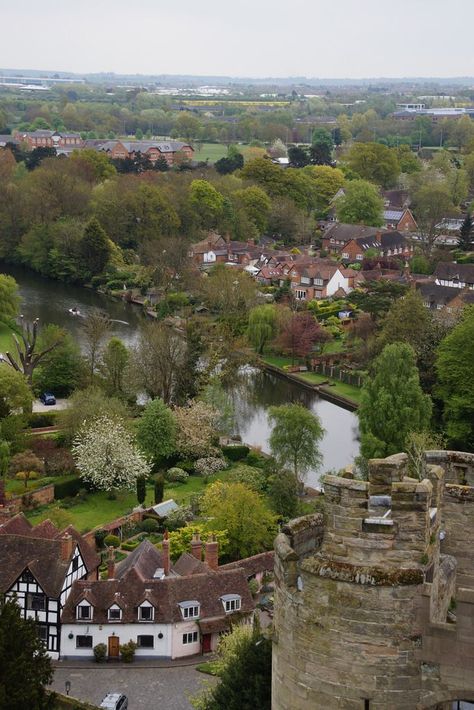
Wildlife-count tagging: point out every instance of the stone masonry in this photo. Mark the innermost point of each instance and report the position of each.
(374, 606)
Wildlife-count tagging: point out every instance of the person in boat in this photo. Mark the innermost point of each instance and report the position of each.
(74, 310)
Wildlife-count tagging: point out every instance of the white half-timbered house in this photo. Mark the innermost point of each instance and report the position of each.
(38, 566)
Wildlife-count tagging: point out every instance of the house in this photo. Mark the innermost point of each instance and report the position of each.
(449, 273)
(338, 234)
(38, 566)
(170, 611)
(171, 151)
(50, 139)
(401, 220)
(317, 279)
(451, 298)
(387, 244)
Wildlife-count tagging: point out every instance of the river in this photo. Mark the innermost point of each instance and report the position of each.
(252, 394)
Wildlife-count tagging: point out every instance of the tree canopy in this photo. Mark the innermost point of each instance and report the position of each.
(361, 204)
(294, 440)
(156, 432)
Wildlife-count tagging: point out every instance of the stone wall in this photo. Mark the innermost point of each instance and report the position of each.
(361, 609)
(30, 499)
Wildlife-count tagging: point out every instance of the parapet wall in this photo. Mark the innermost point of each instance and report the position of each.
(359, 599)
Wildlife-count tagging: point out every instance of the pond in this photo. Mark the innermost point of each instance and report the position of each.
(253, 392)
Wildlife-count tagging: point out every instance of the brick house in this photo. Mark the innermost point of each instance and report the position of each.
(171, 151)
(318, 279)
(388, 243)
(451, 298)
(38, 566)
(170, 611)
(400, 220)
(338, 234)
(50, 139)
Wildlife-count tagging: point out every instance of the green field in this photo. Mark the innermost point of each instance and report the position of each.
(215, 151)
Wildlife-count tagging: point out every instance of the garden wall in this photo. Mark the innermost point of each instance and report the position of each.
(31, 499)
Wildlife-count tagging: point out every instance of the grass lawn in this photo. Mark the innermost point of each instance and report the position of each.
(280, 360)
(336, 386)
(17, 487)
(215, 151)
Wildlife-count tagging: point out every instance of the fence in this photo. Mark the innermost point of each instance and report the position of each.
(338, 372)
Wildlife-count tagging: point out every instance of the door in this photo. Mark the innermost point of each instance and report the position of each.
(206, 643)
(114, 647)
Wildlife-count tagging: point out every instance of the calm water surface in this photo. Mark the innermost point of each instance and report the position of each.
(252, 393)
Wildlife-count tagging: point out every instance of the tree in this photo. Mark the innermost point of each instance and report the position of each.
(113, 366)
(296, 433)
(407, 321)
(94, 249)
(392, 403)
(374, 162)
(242, 512)
(221, 402)
(256, 205)
(4, 458)
(85, 406)
(455, 369)
(156, 431)
(322, 146)
(298, 156)
(196, 424)
(158, 488)
(244, 667)
(299, 332)
(96, 328)
(157, 361)
(377, 297)
(327, 181)
(62, 369)
(14, 392)
(233, 161)
(106, 455)
(141, 489)
(465, 234)
(9, 297)
(206, 202)
(262, 326)
(28, 353)
(25, 667)
(282, 490)
(361, 204)
(431, 203)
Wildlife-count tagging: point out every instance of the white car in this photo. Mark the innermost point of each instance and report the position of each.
(114, 701)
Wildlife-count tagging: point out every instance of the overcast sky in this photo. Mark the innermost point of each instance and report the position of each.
(255, 38)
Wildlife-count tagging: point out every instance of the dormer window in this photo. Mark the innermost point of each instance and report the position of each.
(146, 612)
(115, 613)
(190, 609)
(231, 602)
(84, 611)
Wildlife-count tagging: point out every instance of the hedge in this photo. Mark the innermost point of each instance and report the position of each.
(235, 453)
(37, 420)
(64, 488)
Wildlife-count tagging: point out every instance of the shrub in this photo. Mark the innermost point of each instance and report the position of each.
(59, 462)
(149, 525)
(130, 546)
(100, 652)
(187, 465)
(159, 487)
(37, 420)
(27, 475)
(112, 541)
(99, 537)
(254, 458)
(250, 476)
(235, 453)
(64, 489)
(254, 587)
(43, 447)
(127, 651)
(26, 461)
(209, 465)
(178, 518)
(176, 475)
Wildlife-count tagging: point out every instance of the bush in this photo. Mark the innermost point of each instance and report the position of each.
(254, 458)
(254, 587)
(176, 475)
(178, 518)
(99, 537)
(187, 465)
(158, 488)
(37, 420)
(130, 546)
(112, 541)
(249, 475)
(149, 525)
(209, 465)
(27, 475)
(26, 461)
(235, 453)
(127, 651)
(59, 463)
(70, 487)
(100, 652)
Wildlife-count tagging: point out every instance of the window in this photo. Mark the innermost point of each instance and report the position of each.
(190, 612)
(75, 564)
(145, 613)
(231, 602)
(318, 282)
(84, 612)
(83, 641)
(43, 632)
(191, 637)
(115, 613)
(145, 641)
(359, 257)
(36, 602)
(345, 255)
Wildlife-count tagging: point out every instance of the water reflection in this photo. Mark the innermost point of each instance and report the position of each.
(254, 391)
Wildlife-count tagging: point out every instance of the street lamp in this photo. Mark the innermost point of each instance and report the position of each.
(68, 686)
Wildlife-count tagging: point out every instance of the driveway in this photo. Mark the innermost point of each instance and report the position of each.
(38, 406)
(146, 688)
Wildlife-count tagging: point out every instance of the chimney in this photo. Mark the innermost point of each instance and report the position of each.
(212, 552)
(166, 554)
(66, 547)
(378, 236)
(110, 563)
(196, 546)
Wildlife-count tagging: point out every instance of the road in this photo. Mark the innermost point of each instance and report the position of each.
(146, 688)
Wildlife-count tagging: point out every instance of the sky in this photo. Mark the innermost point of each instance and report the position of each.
(251, 38)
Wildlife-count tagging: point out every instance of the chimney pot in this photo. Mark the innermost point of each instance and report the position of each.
(166, 554)
(66, 547)
(196, 546)
(110, 563)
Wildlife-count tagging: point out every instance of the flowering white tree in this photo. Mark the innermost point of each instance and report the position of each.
(106, 456)
(196, 429)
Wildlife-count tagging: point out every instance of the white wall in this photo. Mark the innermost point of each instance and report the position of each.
(178, 649)
(335, 282)
(100, 634)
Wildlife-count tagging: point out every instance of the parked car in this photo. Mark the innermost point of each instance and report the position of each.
(114, 701)
(47, 398)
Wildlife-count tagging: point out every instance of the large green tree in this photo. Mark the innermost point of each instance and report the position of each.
(262, 326)
(9, 297)
(115, 358)
(95, 249)
(407, 321)
(294, 440)
(455, 368)
(14, 391)
(25, 667)
(322, 146)
(361, 204)
(62, 369)
(392, 403)
(206, 202)
(156, 431)
(374, 162)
